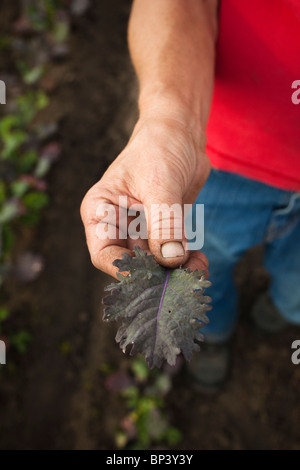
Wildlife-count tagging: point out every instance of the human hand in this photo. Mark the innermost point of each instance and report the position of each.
(163, 163)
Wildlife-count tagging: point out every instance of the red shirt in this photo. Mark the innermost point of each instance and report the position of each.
(254, 124)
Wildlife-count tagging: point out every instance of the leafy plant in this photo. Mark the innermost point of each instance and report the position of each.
(25, 159)
(146, 422)
(149, 418)
(42, 14)
(161, 309)
(21, 340)
(30, 75)
(4, 314)
(20, 195)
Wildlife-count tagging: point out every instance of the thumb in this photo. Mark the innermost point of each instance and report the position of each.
(165, 222)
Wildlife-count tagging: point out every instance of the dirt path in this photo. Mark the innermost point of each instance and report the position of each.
(57, 398)
(95, 105)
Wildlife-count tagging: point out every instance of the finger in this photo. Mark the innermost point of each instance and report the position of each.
(104, 259)
(104, 252)
(166, 236)
(197, 260)
(137, 228)
(143, 244)
(105, 240)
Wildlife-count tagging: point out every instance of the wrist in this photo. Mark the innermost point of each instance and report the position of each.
(173, 112)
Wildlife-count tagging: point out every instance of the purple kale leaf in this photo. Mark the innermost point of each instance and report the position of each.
(161, 309)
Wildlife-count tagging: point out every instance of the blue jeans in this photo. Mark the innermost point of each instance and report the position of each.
(240, 213)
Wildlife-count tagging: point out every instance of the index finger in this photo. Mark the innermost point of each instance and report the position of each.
(105, 240)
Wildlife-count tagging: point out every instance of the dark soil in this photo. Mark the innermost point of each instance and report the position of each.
(55, 398)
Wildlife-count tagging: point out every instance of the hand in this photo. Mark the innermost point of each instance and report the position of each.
(163, 162)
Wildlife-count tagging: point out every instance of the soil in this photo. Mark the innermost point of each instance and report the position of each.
(55, 396)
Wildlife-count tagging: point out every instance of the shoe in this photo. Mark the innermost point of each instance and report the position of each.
(209, 369)
(265, 316)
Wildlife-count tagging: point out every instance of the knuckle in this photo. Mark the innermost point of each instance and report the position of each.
(83, 208)
(95, 261)
(85, 203)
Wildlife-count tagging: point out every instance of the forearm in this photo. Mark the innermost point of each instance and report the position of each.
(172, 45)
